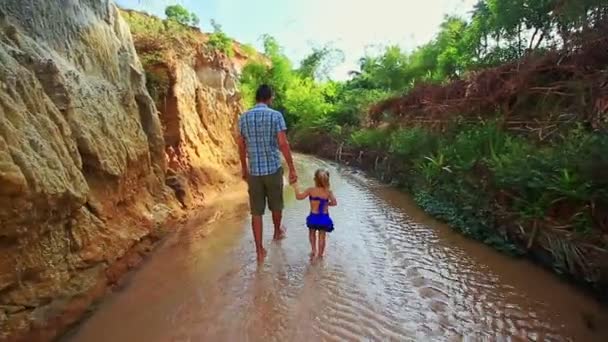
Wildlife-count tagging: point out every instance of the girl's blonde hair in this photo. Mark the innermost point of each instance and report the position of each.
(322, 179)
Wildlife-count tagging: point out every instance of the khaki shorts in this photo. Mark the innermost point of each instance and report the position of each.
(266, 188)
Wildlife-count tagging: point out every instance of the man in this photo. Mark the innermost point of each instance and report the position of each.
(262, 136)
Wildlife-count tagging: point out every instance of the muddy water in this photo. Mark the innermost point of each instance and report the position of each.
(390, 273)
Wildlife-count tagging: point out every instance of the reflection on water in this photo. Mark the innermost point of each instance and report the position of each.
(390, 273)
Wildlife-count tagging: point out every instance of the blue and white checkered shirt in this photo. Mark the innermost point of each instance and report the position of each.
(259, 126)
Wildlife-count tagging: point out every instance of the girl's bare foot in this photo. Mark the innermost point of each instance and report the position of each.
(313, 254)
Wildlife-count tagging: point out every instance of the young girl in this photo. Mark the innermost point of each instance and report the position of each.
(319, 221)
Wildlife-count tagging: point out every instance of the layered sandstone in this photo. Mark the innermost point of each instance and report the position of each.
(196, 92)
(86, 153)
(82, 162)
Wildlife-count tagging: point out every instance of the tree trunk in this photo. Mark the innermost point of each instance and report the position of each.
(519, 52)
(540, 40)
(532, 39)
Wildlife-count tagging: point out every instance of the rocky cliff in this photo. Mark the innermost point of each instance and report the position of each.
(195, 90)
(83, 162)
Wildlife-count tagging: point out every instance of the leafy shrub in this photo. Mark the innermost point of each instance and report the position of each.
(370, 138)
(157, 84)
(469, 224)
(249, 50)
(151, 58)
(181, 15)
(412, 143)
(473, 143)
(151, 34)
(219, 41)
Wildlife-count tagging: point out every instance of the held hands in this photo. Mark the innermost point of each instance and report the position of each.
(293, 177)
(296, 189)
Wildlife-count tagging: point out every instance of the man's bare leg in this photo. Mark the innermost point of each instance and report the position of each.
(279, 230)
(256, 224)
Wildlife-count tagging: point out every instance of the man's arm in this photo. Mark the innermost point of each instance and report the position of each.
(281, 128)
(242, 143)
(243, 156)
(286, 151)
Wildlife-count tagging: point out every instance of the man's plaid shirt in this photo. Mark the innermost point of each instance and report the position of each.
(259, 126)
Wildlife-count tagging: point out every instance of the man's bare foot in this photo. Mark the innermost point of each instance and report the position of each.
(261, 255)
(280, 234)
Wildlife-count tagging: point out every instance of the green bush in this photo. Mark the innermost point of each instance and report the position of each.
(305, 103)
(468, 221)
(412, 143)
(373, 139)
(151, 58)
(158, 86)
(472, 144)
(152, 35)
(249, 50)
(219, 41)
(181, 15)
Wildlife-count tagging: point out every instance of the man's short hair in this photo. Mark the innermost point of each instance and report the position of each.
(264, 93)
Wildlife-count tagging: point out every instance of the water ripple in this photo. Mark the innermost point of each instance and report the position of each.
(391, 274)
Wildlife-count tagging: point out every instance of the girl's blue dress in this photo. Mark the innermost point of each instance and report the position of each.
(320, 221)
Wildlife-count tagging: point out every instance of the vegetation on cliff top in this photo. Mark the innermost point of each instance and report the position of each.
(154, 36)
(181, 15)
(161, 41)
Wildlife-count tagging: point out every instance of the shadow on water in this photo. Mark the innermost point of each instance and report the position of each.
(391, 273)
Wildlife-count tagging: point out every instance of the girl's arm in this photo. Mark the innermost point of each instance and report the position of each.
(300, 195)
(332, 200)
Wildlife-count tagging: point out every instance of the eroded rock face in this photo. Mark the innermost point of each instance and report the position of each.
(199, 114)
(82, 158)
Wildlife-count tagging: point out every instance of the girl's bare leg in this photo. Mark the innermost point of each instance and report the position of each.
(321, 243)
(312, 236)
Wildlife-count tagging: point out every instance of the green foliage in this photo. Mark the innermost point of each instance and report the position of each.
(352, 102)
(499, 31)
(472, 176)
(219, 41)
(158, 86)
(181, 15)
(249, 50)
(320, 62)
(474, 143)
(153, 35)
(308, 101)
(411, 143)
(305, 103)
(278, 73)
(465, 221)
(370, 139)
(151, 58)
(143, 23)
(456, 176)
(540, 178)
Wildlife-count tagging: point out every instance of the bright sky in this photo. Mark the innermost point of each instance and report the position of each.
(350, 25)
